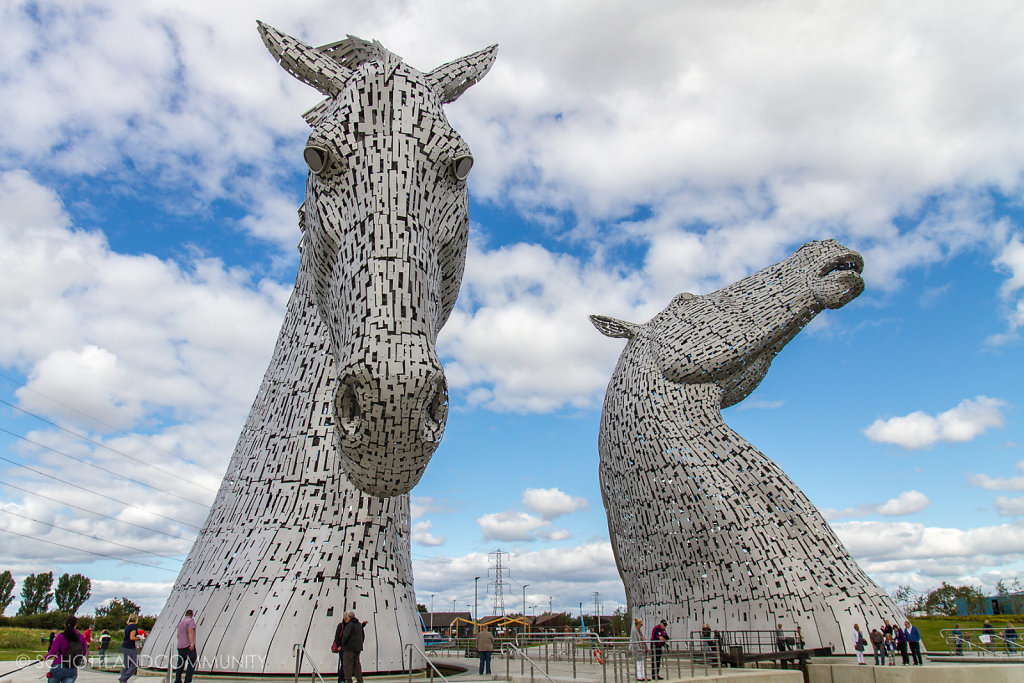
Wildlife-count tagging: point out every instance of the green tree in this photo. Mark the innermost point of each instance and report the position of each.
(421, 608)
(36, 594)
(72, 592)
(942, 600)
(620, 622)
(903, 596)
(115, 614)
(6, 590)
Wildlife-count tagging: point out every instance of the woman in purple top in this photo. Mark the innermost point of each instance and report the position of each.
(67, 653)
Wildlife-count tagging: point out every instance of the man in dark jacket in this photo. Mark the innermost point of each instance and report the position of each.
(351, 646)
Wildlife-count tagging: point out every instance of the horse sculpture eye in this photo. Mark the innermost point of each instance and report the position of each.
(461, 166)
(316, 158)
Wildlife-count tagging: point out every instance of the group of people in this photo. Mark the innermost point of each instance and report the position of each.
(639, 644)
(69, 650)
(987, 638)
(887, 641)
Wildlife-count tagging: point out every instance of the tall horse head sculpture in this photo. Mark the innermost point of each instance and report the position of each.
(706, 530)
(385, 227)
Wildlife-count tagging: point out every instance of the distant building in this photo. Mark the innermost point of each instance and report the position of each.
(449, 624)
(1010, 603)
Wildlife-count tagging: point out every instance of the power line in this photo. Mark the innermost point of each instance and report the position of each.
(93, 512)
(103, 469)
(96, 493)
(103, 445)
(95, 538)
(90, 552)
(97, 420)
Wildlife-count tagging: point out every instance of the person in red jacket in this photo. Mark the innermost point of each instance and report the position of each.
(659, 636)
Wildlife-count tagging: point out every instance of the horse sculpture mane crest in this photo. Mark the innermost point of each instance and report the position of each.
(704, 527)
(312, 517)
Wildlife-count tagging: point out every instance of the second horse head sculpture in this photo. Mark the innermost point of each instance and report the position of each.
(385, 228)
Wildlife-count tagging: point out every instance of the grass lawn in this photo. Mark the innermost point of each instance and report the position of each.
(16, 642)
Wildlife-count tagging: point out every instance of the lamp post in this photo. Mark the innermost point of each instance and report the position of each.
(432, 611)
(551, 610)
(524, 598)
(476, 597)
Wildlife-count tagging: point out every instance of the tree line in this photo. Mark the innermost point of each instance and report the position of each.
(71, 592)
(943, 599)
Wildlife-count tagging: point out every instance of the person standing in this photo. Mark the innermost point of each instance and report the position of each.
(958, 639)
(914, 640)
(638, 645)
(878, 646)
(351, 645)
(104, 646)
(186, 648)
(780, 638)
(484, 648)
(128, 649)
(336, 647)
(87, 634)
(901, 645)
(988, 635)
(1010, 637)
(859, 643)
(66, 653)
(659, 636)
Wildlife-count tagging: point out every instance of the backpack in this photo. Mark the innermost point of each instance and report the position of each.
(75, 656)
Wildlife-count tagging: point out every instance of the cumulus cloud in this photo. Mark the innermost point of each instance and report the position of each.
(155, 362)
(1009, 507)
(420, 506)
(998, 483)
(907, 503)
(510, 526)
(1011, 260)
(922, 556)
(552, 503)
(968, 420)
(421, 533)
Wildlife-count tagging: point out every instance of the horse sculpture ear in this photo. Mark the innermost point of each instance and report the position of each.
(304, 62)
(454, 78)
(613, 327)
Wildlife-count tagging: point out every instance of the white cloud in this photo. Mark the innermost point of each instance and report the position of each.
(998, 483)
(907, 503)
(1011, 259)
(423, 505)
(969, 419)
(922, 556)
(552, 503)
(421, 533)
(173, 353)
(1009, 507)
(510, 526)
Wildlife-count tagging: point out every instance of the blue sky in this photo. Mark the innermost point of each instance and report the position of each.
(150, 170)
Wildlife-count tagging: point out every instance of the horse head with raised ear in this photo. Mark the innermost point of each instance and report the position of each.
(385, 227)
(730, 337)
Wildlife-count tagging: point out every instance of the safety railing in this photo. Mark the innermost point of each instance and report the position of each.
(300, 655)
(511, 651)
(752, 641)
(431, 669)
(617, 658)
(980, 642)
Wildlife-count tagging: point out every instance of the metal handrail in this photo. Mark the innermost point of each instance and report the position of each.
(508, 648)
(300, 654)
(1009, 645)
(433, 669)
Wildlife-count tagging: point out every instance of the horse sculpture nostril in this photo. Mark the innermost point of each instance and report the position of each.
(347, 408)
(435, 411)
